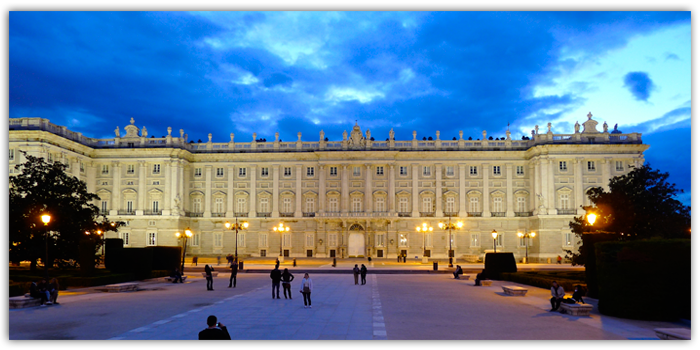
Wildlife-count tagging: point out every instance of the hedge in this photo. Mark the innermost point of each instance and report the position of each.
(537, 279)
(646, 279)
(496, 263)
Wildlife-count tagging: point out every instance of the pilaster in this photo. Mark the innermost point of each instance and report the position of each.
(509, 191)
(275, 190)
(253, 205)
(298, 196)
(486, 211)
(462, 187)
(207, 191)
(438, 186)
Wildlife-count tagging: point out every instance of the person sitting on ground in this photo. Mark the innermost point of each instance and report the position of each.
(480, 277)
(578, 294)
(53, 290)
(35, 292)
(215, 331)
(458, 272)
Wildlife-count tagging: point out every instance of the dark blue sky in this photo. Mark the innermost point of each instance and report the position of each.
(290, 72)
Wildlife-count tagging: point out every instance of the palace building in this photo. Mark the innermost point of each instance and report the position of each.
(350, 198)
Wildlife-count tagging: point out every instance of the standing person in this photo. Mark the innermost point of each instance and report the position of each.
(276, 276)
(215, 331)
(287, 279)
(558, 259)
(307, 286)
(557, 295)
(210, 279)
(363, 274)
(194, 260)
(234, 274)
(355, 273)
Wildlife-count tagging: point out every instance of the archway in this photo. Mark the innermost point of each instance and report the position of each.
(356, 241)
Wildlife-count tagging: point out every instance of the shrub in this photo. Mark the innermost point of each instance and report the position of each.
(496, 263)
(544, 280)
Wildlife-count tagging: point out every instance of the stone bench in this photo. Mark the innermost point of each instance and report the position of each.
(514, 290)
(486, 283)
(121, 287)
(172, 279)
(213, 274)
(673, 333)
(576, 309)
(21, 302)
(462, 277)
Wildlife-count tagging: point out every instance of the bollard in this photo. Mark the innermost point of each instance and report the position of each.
(294, 262)
(240, 265)
(435, 265)
(333, 262)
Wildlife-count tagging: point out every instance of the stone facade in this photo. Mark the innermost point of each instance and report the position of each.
(355, 197)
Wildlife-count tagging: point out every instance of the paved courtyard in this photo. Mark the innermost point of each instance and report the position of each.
(389, 306)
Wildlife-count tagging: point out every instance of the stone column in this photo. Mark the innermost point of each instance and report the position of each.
(207, 191)
(181, 188)
(509, 190)
(486, 208)
(544, 189)
(185, 175)
(438, 189)
(462, 189)
(321, 189)
(606, 164)
(91, 176)
(253, 205)
(75, 168)
(368, 188)
(298, 196)
(534, 172)
(391, 196)
(414, 185)
(578, 186)
(551, 205)
(344, 194)
(141, 206)
(231, 193)
(168, 194)
(116, 188)
(275, 190)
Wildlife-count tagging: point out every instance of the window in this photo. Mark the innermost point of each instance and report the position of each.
(125, 237)
(498, 204)
(474, 240)
(380, 240)
(196, 205)
(357, 205)
(82, 167)
(241, 239)
(334, 171)
(310, 205)
(426, 171)
(287, 239)
(568, 239)
(562, 166)
(619, 166)
(520, 204)
(105, 183)
(156, 168)
(241, 205)
(151, 222)
(428, 239)
(197, 172)
(264, 207)
(151, 238)
(287, 205)
(564, 201)
(332, 240)
(264, 171)
(521, 241)
(497, 170)
(156, 182)
(287, 171)
(310, 240)
(310, 171)
(379, 204)
(450, 204)
(333, 205)
(105, 169)
(263, 253)
(591, 165)
(263, 239)
(473, 170)
(241, 172)
(129, 183)
(104, 207)
(474, 205)
(499, 240)
(194, 241)
(380, 170)
(218, 240)
(156, 206)
(519, 170)
(403, 171)
(219, 205)
(403, 205)
(12, 154)
(427, 205)
(129, 206)
(450, 171)
(356, 171)
(219, 172)
(50, 157)
(403, 241)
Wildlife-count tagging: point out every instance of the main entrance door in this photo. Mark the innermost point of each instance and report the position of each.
(356, 241)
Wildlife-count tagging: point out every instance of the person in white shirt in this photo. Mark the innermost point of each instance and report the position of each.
(557, 295)
(306, 287)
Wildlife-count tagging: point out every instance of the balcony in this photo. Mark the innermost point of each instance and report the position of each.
(427, 215)
(286, 215)
(498, 214)
(193, 215)
(450, 214)
(474, 214)
(309, 215)
(523, 213)
(152, 212)
(218, 215)
(240, 215)
(104, 212)
(357, 214)
(126, 212)
(566, 211)
(405, 214)
(263, 215)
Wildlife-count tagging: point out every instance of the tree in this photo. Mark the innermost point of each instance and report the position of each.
(639, 205)
(45, 188)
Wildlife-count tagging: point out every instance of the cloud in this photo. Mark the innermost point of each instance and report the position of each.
(676, 118)
(672, 56)
(639, 84)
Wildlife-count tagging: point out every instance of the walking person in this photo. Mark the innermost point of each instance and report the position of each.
(307, 286)
(234, 274)
(276, 276)
(363, 274)
(287, 279)
(194, 260)
(210, 278)
(557, 295)
(355, 273)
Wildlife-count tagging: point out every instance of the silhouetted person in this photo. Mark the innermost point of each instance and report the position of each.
(287, 279)
(177, 276)
(557, 295)
(234, 273)
(210, 278)
(458, 272)
(276, 276)
(215, 331)
(356, 273)
(578, 294)
(363, 274)
(480, 277)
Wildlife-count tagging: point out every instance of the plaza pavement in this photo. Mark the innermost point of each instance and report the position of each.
(390, 306)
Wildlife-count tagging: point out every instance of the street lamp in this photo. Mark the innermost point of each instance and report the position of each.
(281, 229)
(527, 242)
(236, 226)
(99, 233)
(188, 234)
(494, 234)
(425, 228)
(449, 226)
(46, 218)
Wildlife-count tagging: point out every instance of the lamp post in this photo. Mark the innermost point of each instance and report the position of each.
(236, 226)
(188, 234)
(527, 242)
(46, 218)
(424, 228)
(281, 229)
(449, 226)
(591, 217)
(494, 234)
